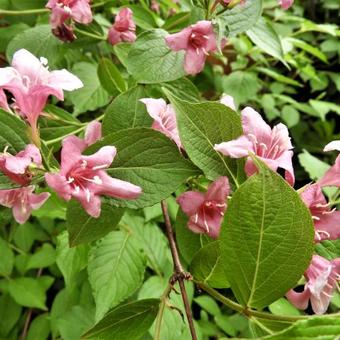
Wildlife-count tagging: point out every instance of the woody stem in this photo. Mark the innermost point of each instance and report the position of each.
(179, 274)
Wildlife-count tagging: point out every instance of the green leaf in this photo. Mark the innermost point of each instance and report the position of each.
(308, 48)
(184, 89)
(83, 228)
(40, 328)
(43, 257)
(329, 249)
(130, 321)
(203, 125)
(7, 258)
(92, 96)
(313, 166)
(151, 61)
(207, 267)
(266, 239)
(242, 86)
(28, 292)
(126, 111)
(149, 159)
(265, 37)
(279, 77)
(10, 313)
(110, 77)
(116, 270)
(208, 304)
(283, 307)
(8, 33)
(40, 41)
(325, 328)
(242, 17)
(13, 133)
(70, 260)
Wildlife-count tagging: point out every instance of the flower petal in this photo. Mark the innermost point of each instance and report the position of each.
(93, 132)
(332, 176)
(236, 148)
(63, 79)
(102, 158)
(218, 190)
(60, 185)
(190, 202)
(179, 41)
(334, 145)
(194, 61)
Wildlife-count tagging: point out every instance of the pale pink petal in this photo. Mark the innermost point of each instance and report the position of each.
(280, 136)
(60, 185)
(332, 176)
(285, 4)
(334, 145)
(9, 77)
(228, 101)
(299, 300)
(328, 227)
(285, 162)
(37, 200)
(194, 61)
(179, 41)
(93, 132)
(190, 202)
(124, 21)
(63, 79)
(128, 36)
(117, 188)
(114, 36)
(90, 202)
(71, 152)
(254, 125)
(81, 11)
(218, 190)
(155, 107)
(312, 195)
(205, 28)
(102, 158)
(236, 148)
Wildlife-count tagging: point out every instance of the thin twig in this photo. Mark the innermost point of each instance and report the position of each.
(179, 274)
(29, 315)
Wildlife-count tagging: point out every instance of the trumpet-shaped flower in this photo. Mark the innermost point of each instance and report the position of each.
(30, 82)
(164, 117)
(123, 29)
(228, 101)
(84, 177)
(272, 146)
(326, 220)
(62, 10)
(22, 200)
(322, 276)
(197, 40)
(206, 210)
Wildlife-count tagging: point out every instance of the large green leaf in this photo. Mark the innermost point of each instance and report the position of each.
(43, 257)
(147, 158)
(265, 37)
(116, 270)
(130, 321)
(92, 96)
(266, 239)
(7, 259)
(242, 17)
(206, 266)
(325, 328)
(126, 111)
(83, 228)
(203, 125)
(10, 313)
(40, 41)
(150, 60)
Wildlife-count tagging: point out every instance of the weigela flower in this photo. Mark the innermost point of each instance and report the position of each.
(206, 210)
(3, 101)
(65, 10)
(123, 29)
(228, 101)
(22, 200)
(322, 276)
(285, 4)
(332, 176)
(197, 40)
(272, 146)
(164, 117)
(30, 82)
(84, 177)
(326, 220)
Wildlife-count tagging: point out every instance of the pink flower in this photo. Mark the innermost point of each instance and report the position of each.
(228, 101)
(21, 200)
(84, 177)
(334, 145)
(197, 40)
(164, 118)
(30, 82)
(272, 146)
(62, 10)
(332, 176)
(326, 221)
(285, 4)
(123, 29)
(322, 276)
(206, 210)
(3, 101)
(155, 6)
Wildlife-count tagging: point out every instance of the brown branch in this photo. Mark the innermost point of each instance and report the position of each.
(179, 274)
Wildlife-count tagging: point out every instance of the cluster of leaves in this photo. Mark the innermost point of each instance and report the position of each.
(65, 274)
